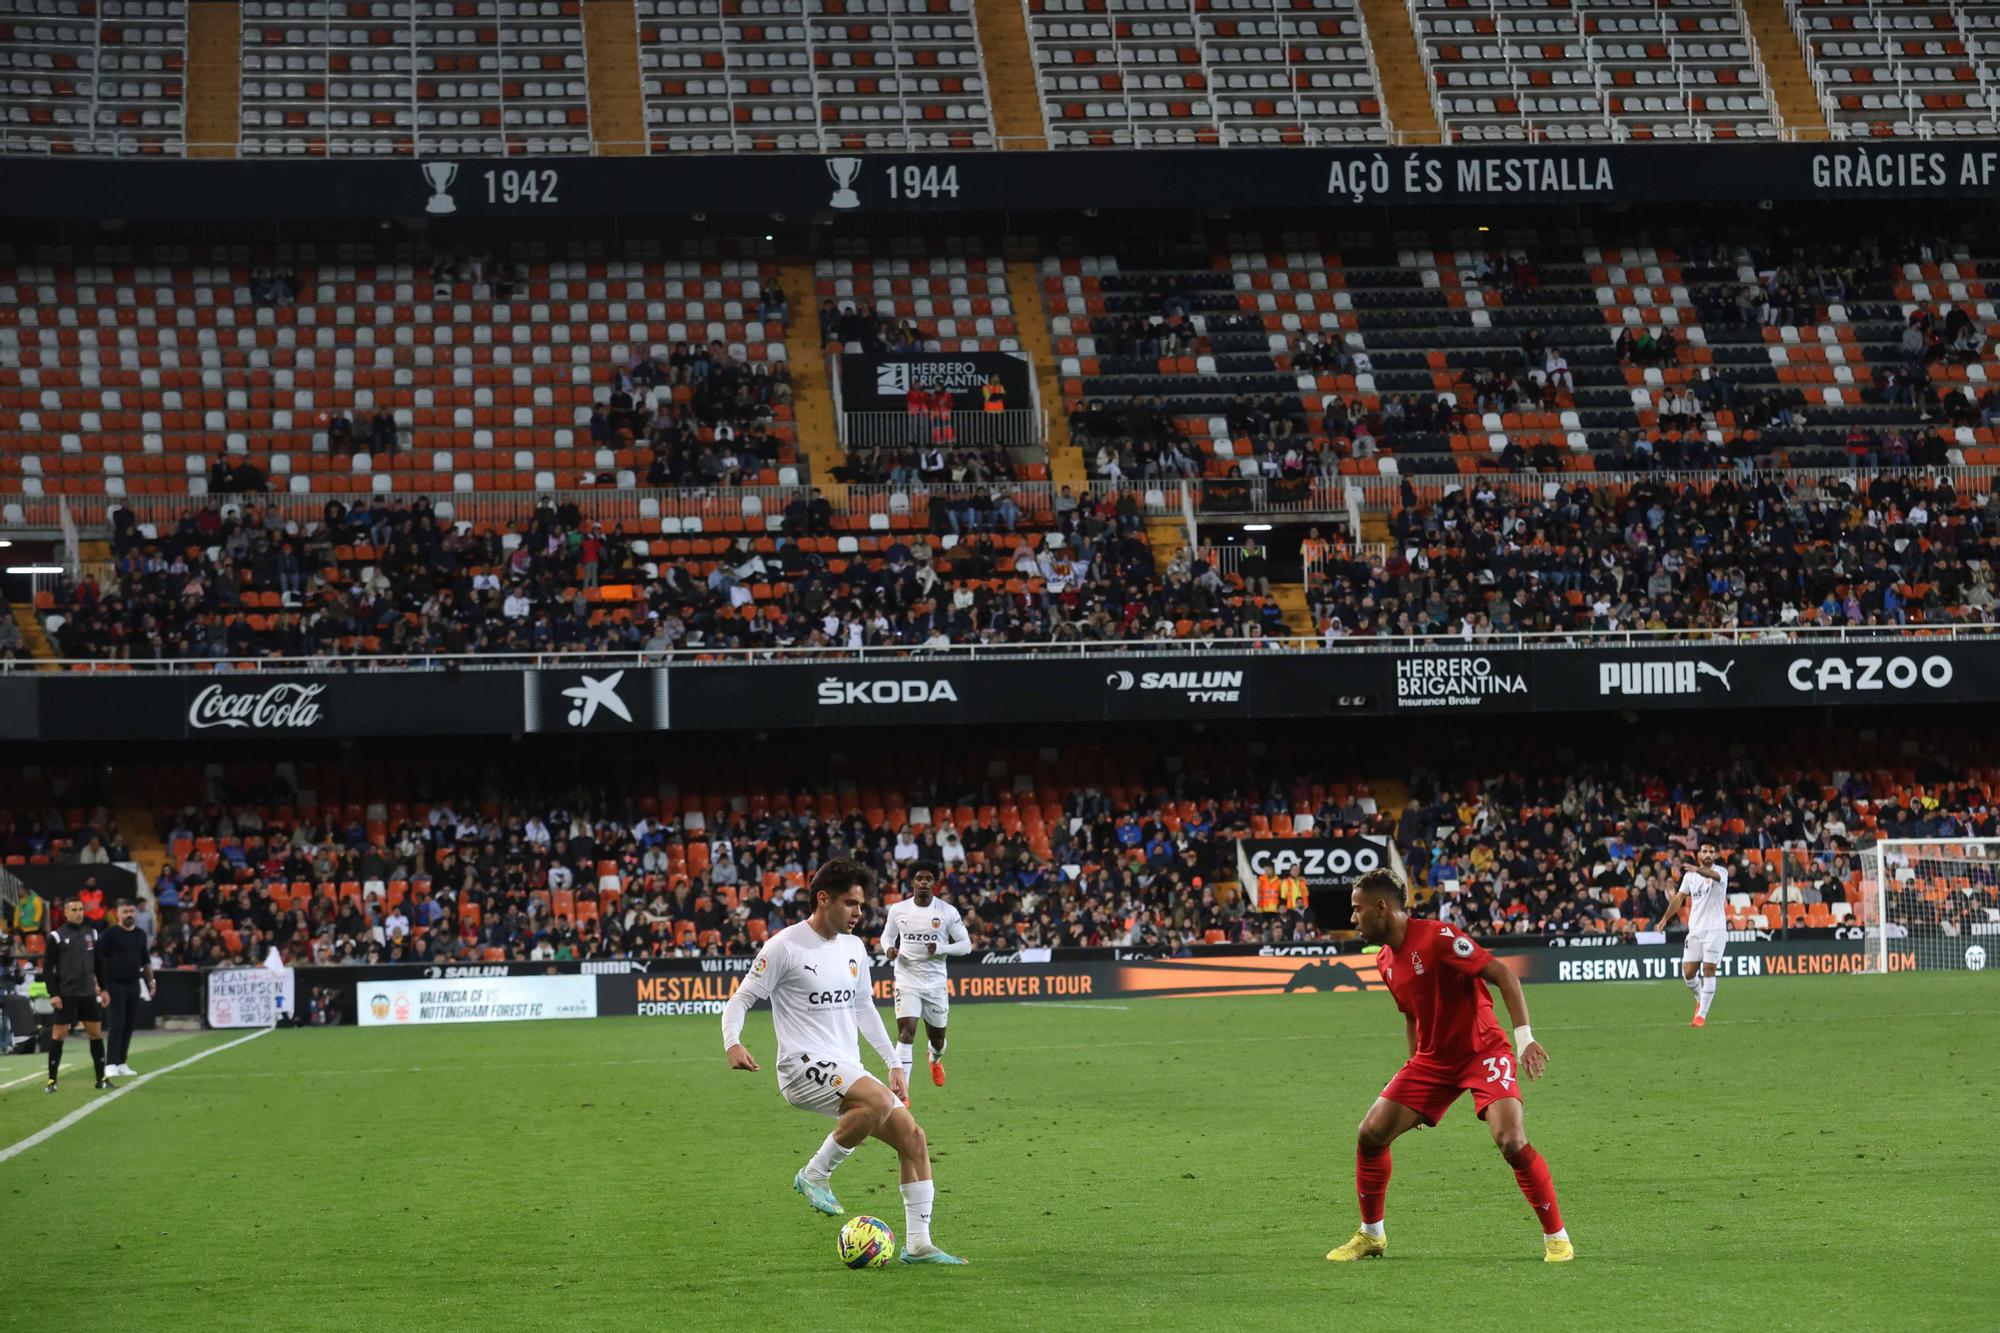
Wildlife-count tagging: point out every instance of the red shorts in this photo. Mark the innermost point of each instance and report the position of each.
(1429, 1087)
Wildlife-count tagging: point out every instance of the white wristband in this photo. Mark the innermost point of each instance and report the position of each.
(1522, 1036)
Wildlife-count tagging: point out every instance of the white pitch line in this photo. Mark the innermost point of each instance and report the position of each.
(87, 1108)
(1071, 1004)
(544, 1066)
(39, 1073)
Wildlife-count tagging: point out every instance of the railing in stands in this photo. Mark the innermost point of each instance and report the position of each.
(671, 512)
(129, 147)
(1016, 428)
(1334, 500)
(1177, 648)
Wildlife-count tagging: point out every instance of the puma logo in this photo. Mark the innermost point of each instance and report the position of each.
(1721, 673)
(810, 968)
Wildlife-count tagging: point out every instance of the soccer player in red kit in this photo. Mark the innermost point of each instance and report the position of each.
(1438, 979)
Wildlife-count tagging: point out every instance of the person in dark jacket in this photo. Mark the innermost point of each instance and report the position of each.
(127, 960)
(74, 972)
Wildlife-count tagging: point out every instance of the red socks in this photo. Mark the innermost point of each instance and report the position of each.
(1532, 1173)
(1371, 1181)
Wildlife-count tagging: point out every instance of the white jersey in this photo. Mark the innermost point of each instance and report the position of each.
(911, 931)
(819, 989)
(1708, 901)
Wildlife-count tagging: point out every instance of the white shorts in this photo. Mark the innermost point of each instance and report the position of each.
(818, 1082)
(1705, 948)
(930, 1003)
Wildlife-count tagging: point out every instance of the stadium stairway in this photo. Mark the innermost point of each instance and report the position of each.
(1291, 600)
(1010, 73)
(1166, 535)
(812, 394)
(32, 633)
(1406, 88)
(1031, 316)
(133, 805)
(214, 78)
(611, 57)
(1785, 66)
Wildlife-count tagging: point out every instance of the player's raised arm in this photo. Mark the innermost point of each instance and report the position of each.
(756, 986)
(1533, 1059)
(1701, 871)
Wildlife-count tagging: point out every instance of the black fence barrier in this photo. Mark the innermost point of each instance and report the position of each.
(1040, 688)
(1485, 175)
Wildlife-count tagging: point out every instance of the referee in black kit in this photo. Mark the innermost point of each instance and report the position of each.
(72, 968)
(127, 959)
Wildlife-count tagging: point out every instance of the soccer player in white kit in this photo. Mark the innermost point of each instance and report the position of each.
(816, 976)
(1705, 885)
(921, 932)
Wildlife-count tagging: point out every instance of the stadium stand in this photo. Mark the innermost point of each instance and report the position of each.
(1901, 550)
(138, 367)
(387, 579)
(1286, 358)
(766, 75)
(1908, 70)
(1075, 843)
(1595, 70)
(1138, 73)
(903, 297)
(99, 77)
(903, 293)
(406, 77)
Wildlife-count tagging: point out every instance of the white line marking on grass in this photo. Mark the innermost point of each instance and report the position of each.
(545, 1066)
(43, 1072)
(1071, 1004)
(88, 1107)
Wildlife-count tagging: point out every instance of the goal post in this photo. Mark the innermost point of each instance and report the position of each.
(1936, 904)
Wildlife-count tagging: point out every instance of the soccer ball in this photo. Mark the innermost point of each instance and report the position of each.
(865, 1242)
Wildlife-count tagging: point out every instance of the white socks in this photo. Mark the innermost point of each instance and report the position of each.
(1693, 984)
(917, 1196)
(905, 1053)
(1704, 996)
(1372, 1229)
(937, 1052)
(1561, 1233)
(830, 1155)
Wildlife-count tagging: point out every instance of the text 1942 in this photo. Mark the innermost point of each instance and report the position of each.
(535, 185)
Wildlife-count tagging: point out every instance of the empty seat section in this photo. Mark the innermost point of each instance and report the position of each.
(723, 76)
(98, 77)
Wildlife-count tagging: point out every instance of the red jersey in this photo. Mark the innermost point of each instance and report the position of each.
(1434, 978)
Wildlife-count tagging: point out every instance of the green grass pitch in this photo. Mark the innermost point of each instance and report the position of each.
(1822, 1154)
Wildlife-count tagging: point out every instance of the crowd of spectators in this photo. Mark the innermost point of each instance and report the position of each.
(706, 415)
(395, 579)
(1071, 845)
(932, 465)
(1900, 549)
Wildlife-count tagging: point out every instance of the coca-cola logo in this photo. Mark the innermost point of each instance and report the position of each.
(288, 706)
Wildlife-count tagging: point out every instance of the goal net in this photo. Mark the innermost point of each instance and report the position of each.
(1936, 904)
